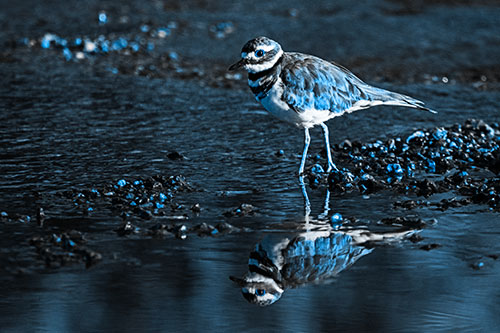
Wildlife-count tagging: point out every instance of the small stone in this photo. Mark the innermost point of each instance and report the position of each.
(175, 156)
(428, 247)
(196, 208)
(40, 216)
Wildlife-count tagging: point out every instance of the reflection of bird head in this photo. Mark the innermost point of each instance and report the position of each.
(259, 289)
(263, 283)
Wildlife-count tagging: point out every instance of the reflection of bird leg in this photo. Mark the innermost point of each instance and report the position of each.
(307, 203)
(326, 206)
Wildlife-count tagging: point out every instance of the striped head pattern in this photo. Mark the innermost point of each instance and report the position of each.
(259, 54)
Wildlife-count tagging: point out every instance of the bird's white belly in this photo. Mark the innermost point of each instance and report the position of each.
(278, 108)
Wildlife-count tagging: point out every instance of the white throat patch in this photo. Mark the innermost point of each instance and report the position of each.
(255, 68)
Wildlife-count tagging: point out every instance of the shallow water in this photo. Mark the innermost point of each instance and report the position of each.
(67, 125)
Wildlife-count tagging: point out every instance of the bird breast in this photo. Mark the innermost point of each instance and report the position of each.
(275, 105)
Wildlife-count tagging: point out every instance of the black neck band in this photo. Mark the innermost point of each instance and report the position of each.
(256, 76)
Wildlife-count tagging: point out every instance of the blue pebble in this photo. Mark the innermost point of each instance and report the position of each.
(417, 134)
(135, 46)
(163, 197)
(431, 166)
(317, 169)
(90, 209)
(164, 32)
(133, 203)
(137, 182)
(173, 55)
(67, 54)
(160, 205)
(105, 46)
(47, 39)
(130, 196)
(440, 133)
(45, 44)
(119, 44)
(78, 41)
(336, 218)
(103, 18)
(4, 214)
(395, 168)
(122, 182)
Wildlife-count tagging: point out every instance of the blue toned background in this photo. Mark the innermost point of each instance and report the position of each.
(96, 91)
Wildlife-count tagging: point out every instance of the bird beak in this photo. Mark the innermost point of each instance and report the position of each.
(238, 281)
(237, 65)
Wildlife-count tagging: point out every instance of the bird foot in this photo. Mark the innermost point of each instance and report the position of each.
(331, 167)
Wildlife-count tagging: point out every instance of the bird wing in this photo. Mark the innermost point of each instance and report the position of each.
(311, 82)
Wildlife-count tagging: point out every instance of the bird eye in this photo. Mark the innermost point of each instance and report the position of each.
(260, 292)
(259, 53)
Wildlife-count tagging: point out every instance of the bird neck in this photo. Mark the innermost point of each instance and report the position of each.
(271, 71)
(260, 263)
(261, 82)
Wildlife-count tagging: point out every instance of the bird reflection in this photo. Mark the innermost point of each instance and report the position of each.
(315, 255)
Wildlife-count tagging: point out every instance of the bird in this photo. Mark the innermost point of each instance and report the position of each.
(306, 90)
(280, 263)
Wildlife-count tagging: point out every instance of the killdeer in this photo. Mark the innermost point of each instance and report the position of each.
(276, 265)
(306, 90)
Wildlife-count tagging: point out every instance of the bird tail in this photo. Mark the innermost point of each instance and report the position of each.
(385, 97)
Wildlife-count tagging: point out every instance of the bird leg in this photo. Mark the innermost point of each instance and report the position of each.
(331, 165)
(307, 204)
(304, 153)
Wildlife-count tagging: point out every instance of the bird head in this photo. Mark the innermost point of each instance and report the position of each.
(258, 289)
(258, 54)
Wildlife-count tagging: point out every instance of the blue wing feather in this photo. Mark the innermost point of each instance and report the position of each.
(311, 82)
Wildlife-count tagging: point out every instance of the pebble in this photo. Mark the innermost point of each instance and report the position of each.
(242, 210)
(404, 165)
(143, 198)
